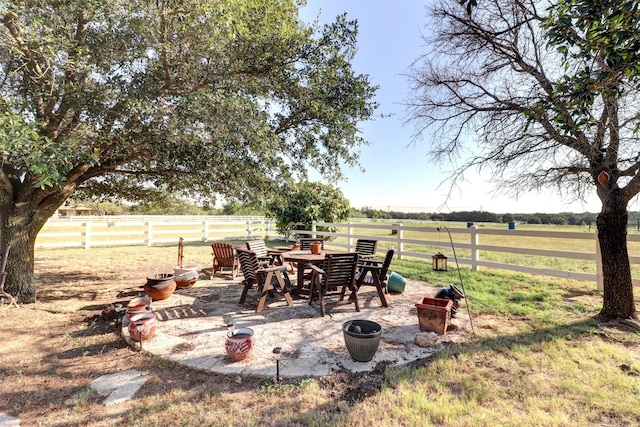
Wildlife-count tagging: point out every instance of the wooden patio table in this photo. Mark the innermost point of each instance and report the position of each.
(303, 258)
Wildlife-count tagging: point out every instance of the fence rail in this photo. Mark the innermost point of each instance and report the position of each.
(107, 231)
(567, 254)
(418, 242)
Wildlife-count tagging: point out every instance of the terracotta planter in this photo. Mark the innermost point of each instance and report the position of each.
(129, 314)
(160, 286)
(434, 314)
(185, 277)
(138, 304)
(239, 343)
(315, 247)
(159, 279)
(142, 326)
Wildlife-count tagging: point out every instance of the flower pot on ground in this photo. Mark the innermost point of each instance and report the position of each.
(185, 277)
(239, 343)
(142, 327)
(362, 338)
(434, 314)
(160, 286)
(140, 303)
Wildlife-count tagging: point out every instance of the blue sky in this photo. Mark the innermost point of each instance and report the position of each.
(398, 176)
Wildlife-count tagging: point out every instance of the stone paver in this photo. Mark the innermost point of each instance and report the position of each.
(120, 386)
(193, 322)
(8, 420)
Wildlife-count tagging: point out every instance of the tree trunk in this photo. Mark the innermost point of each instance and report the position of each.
(618, 287)
(20, 225)
(20, 276)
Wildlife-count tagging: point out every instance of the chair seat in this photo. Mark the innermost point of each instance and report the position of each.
(224, 257)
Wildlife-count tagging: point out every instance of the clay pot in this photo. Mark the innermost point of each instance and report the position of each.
(315, 247)
(129, 314)
(140, 303)
(160, 286)
(185, 277)
(159, 279)
(142, 326)
(239, 343)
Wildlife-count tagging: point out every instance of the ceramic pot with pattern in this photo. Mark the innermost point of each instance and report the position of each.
(239, 343)
(142, 327)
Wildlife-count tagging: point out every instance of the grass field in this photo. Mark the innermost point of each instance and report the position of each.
(539, 357)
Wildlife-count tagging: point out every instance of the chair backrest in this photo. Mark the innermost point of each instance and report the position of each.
(385, 265)
(340, 270)
(223, 253)
(249, 265)
(305, 242)
(259, 247)
(366, 247)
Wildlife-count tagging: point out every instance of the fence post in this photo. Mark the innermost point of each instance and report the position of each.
(400, 236)
(267, 228)
(475, 254)
(313, 230)
(599, 275)
(350, 235)
(87, 235)
(205, 229)
(248, 230)
(149, 228)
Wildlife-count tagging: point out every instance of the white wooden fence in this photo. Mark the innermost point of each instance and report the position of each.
(409, 241)
(118, 231)
(350, 232)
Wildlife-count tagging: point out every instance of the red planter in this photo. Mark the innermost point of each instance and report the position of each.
(315, 247)
(160, 286)
(142, 326)
(239, 343)
(434, 314)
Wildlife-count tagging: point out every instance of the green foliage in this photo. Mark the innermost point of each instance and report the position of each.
(134, 98)
(138, 100)
(600, 45)
(302, 204)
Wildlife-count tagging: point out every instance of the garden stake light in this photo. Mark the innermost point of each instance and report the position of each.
(277, 353)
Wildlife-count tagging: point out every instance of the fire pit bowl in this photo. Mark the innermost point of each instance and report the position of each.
(362, 338)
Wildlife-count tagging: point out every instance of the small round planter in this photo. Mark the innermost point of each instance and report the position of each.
(142, 327)
(315, 247)
(362, 338)
(239, 343)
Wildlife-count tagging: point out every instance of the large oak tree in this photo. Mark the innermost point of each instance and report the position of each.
(132, 98)
(543, 94)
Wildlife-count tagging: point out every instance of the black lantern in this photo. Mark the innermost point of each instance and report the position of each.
(439, 262)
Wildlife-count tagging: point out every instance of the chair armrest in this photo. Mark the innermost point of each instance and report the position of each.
(368, 262)
(274, 268)
(316, 268)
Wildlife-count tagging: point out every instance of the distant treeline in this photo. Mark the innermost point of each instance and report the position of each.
(567, 218)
